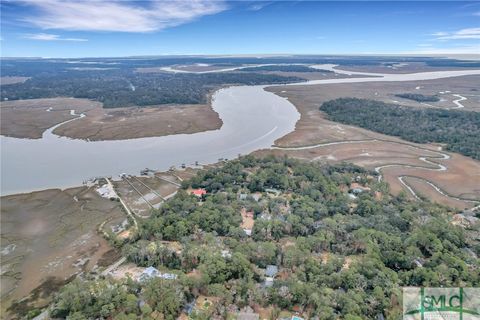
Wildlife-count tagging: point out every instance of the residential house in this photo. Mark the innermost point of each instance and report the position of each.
(247, 221)
(152, 272)
(226, 254)
(271, 271)
(148, 273)
(242, 196)
(199, 192)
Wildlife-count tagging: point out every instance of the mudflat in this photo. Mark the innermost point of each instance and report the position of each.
(48, 237)
(131, 123)
(30, 118)
(12, 80)
(454, 176)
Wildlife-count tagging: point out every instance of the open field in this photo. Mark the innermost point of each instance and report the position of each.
(30, 118)
(47, 238)
(454, 175)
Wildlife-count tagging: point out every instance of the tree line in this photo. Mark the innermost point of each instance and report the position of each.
(124, 88)
(459, 130)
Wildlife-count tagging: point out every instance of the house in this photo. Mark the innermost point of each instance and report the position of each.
(226, 254)
(152, 272)
(106, 191)
(268, 282)
(271, 271)
(199, 192)
(273, 191)
(242, 196)
(357, 188)
(168, 276)
(247, 221)
(148, 273)
(356, 191)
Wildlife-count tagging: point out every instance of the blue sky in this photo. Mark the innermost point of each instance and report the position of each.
(95, 28)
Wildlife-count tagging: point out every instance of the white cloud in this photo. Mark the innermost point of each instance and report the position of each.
(477, 14)
(474, 50)
(468, 33)
(440, 34)
(259, 6)
(121, 16)
(50, 37)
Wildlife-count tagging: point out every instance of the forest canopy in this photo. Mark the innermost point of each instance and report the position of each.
(123, 88)
(337, 256)
(418, 97)
(459, 130)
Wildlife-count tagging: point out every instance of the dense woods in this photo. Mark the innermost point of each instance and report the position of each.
(418, 97)
(285, 68)
(338, 256)
(117, 88)
(459, 130)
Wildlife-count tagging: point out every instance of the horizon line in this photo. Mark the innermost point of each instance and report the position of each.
(259, 55)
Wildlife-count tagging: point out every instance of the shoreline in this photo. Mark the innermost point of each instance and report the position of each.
(401, 77)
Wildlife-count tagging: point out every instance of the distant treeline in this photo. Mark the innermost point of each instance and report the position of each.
(122, 88)
(460, 130)
(418, 97)
(30, 67)
(284, 68)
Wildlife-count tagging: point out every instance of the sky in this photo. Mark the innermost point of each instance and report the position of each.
(113, 28)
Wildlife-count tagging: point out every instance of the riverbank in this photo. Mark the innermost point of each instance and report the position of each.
(134, 123)
(31, 118)
(252, 119)
(404, 168)
(48, 237)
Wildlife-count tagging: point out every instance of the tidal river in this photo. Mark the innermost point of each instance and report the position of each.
(252, 119)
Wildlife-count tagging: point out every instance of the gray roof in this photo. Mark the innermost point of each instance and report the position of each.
(268, 282)
(271, 271)
(151, 272)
